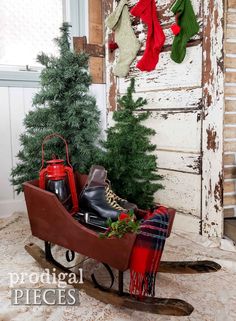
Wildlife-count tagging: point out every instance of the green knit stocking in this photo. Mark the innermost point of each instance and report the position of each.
(189, 27)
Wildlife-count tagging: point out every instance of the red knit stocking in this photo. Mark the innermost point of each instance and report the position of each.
(146, 10)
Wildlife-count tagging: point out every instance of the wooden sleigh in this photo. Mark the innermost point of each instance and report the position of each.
(51, 222)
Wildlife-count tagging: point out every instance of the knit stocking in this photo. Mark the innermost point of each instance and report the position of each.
(189, 27)
(146, 10)
(119, 22)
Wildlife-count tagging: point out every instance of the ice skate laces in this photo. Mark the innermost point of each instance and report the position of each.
(111, 199)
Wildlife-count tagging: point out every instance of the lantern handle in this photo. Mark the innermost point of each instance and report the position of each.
(66, 145)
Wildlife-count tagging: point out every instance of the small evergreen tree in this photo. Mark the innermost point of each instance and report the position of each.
(131, 165)
(62, 105)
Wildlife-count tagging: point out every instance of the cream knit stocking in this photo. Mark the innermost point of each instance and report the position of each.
(119, 22)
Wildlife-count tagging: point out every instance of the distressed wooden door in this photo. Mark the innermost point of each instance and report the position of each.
(186, 105)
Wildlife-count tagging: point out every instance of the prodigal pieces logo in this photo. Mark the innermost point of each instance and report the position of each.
(46, 288)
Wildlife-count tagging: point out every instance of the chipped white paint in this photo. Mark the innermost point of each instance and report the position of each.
(172, 99)
(168, 74)
(178, 131)
(175, 97)
(182, 191)
(179, 161)
(213, 102)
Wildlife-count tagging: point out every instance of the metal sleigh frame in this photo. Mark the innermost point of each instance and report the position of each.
(51, 222)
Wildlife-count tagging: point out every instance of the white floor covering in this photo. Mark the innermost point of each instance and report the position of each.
(213, 295)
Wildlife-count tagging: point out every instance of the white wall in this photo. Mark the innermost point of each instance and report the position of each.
(15, 103)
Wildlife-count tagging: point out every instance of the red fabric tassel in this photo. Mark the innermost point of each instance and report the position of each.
(147, 252)
(112, 46)
(175, 29)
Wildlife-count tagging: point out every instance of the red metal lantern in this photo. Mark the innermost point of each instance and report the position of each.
(59, 179)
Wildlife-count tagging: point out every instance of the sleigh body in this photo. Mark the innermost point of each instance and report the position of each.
(52, 223)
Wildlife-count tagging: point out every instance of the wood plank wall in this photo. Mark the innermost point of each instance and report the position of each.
(230, 111)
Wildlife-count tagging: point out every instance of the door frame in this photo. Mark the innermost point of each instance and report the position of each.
(212, 112)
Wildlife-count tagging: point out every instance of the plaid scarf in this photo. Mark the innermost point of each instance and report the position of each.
(147, 251)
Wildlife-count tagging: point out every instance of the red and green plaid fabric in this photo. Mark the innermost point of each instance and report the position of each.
(147, 252)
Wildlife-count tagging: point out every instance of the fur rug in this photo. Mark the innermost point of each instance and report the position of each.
(212, 295)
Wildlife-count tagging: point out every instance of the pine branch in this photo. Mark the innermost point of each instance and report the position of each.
(132, 168)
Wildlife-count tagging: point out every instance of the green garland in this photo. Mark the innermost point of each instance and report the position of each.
(126, 223)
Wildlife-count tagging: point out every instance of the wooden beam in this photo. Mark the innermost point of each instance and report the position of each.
(95, 22)
(212, 125)
(96, 66)
(96, 60)
(111, 79)
(94, 50)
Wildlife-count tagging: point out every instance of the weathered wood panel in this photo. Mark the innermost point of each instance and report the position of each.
(166, 74)
(111, 80)
(170, 134)
(179, 161)
(95, 21)
(212, 130)
(189, 187)
(96, 68)
(140, 31)
(179, 107)
(165, 15)
(172, 99)
(96, 39)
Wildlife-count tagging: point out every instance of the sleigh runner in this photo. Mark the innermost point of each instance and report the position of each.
(52, 223)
